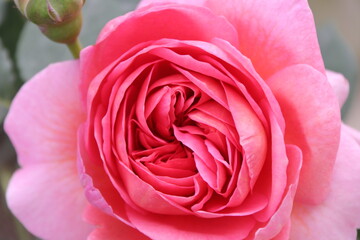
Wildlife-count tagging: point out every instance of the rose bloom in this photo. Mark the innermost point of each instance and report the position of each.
(196, 120)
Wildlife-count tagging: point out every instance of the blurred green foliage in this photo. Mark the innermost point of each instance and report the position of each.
(11, 25)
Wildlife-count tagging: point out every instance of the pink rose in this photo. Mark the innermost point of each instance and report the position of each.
(209, 120)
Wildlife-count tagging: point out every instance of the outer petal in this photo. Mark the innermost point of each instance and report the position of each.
(48, 199)
(285, 232)
(144, 3)
(267, 38)
(162, 227)
(339, 84)
(265, 35)
(110, 228)
(353, 132)
(46, 194)
(44, 116)
(279, 224)
(312, 118)
(192, 23)
(339, 215)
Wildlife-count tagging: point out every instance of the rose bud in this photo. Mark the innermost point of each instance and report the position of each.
(60, 21)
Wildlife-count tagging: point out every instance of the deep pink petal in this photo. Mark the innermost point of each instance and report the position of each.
(191, 22)
(49, 200)
(279, 221)
(45, 114)
(109, 227)
(110, 27)
(267, 38)
(312, 119)
(162, 227)
(274, 178)
(252, 133)
(339, 215)
(145, 196)
(339, 84)
(98, 187)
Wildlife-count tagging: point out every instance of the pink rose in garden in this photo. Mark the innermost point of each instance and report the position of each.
(196, 120)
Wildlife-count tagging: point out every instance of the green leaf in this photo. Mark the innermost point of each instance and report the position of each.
(33, 45)
(339, 57)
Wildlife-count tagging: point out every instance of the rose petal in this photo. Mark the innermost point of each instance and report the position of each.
(251, 132)
(339, 215)
(274, 179)
(339, 84)
(48, 199)
(312, 119)
(161, 227)
(98, 188)
(110, 27)
(145, 196)
(145, 3)
(45, 114)
(353, 132)
(109, 227)
(138, 27)
(267, 38)
(279, 221)
(285, 232)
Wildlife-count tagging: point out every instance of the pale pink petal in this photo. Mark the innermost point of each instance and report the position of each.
(339, 84)
(339, 215)
(45, 114)
(109, 227)
(312, 117)
(285, 232)
(353, 132)
(48, 199)
(274, 34)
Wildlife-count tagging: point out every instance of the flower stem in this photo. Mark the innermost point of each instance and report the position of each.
(75, 48)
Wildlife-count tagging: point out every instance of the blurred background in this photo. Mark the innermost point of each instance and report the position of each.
(24, 52)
